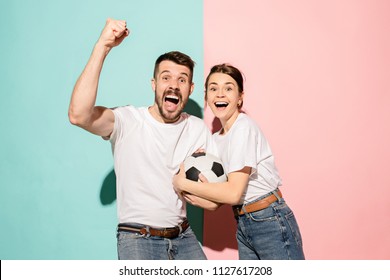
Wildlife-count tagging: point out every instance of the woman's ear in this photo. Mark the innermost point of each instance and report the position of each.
(240, 102)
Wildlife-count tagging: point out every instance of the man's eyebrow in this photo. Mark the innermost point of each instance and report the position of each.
(165, 71)
(169, 72)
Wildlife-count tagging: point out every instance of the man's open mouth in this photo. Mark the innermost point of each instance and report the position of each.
(172, 98)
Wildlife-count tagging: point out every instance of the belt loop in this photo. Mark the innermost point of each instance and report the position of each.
(275, 192)
(243, 209)
(180, 229)
(147, 228)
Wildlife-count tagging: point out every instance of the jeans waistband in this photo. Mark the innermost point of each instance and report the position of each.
(170, 232)
(258, 204)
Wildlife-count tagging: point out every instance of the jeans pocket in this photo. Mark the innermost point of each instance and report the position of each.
(123, 236)
(292, 223)
(263, 215)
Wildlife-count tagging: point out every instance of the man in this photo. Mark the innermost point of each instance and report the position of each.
(148, 146)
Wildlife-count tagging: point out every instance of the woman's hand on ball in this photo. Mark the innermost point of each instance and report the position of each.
(203, 178)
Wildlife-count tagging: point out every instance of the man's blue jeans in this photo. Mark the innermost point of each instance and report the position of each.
(269, 234)
(135, 246)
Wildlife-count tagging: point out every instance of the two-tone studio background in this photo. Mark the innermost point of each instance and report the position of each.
(317, 82)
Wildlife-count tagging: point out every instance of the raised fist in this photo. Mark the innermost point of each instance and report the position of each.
(114, 32)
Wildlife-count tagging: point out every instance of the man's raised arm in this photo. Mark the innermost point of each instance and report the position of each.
(82, 110)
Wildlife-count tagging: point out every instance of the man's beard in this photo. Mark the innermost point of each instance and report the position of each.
(170, 117)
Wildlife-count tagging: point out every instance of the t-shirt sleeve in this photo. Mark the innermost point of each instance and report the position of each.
(242, 149)
(118, 125)
(125, 118)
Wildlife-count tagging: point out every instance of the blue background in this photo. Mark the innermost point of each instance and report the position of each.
(57, 198)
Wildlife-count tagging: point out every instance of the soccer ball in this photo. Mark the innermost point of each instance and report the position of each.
(207, 164)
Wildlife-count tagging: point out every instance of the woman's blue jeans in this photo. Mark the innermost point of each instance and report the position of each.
(269, 234)
(135, 246)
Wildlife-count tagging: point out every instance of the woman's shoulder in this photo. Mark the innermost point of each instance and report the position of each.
(245, 121)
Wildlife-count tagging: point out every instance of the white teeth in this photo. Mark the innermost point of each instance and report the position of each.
(172, 98)
(221, 104)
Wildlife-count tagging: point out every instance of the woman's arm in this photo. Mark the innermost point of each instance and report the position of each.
(229, 192)
(201, 202)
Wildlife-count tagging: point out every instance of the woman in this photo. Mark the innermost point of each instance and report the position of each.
(266, 226)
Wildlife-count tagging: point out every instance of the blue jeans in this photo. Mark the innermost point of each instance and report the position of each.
(135, 246)
(269, 234)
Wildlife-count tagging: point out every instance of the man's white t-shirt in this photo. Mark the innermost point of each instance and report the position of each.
(147, 154)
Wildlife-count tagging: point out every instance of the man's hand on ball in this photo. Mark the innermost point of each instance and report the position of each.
(178, 179)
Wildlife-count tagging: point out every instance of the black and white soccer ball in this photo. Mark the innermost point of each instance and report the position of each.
(209, 165)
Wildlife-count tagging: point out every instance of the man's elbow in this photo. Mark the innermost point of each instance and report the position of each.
(76, 119)
(215, 206)
(212, 206)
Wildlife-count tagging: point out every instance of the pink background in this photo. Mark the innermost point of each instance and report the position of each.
(317, 82)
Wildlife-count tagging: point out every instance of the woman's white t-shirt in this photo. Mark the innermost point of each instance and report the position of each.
(245, 145)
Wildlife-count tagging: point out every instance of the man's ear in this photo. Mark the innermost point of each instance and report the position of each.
(192, 88)
(153, 83)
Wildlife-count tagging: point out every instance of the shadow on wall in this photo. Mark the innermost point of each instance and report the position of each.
(195, 215)
(220, 225)
(220, 229)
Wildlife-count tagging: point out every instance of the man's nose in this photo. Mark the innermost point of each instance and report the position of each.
(174, 84)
